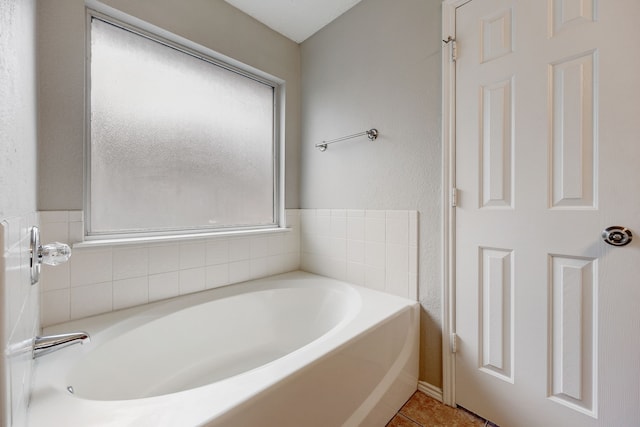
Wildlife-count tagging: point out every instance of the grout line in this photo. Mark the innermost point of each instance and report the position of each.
(487, 423)
(411, 419)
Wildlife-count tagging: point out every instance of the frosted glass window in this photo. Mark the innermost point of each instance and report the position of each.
(177, 142)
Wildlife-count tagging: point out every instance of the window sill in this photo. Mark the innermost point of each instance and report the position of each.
(97, 242)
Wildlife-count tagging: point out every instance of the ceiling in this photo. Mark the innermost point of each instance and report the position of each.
(294, 19)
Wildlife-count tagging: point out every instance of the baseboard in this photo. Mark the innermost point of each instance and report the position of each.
(430, 390)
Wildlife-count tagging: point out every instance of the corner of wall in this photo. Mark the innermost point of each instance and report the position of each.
(4, 385)
(19, 301)
(21, 320)
(376, 249)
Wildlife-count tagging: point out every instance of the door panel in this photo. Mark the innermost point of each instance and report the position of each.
(547, 156)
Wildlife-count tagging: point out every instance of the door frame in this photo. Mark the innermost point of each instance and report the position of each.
(448, 198)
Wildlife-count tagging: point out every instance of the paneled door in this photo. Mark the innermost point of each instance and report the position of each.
(547, 156)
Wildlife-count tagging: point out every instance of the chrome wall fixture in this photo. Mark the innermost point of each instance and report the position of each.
(372, 134)
(51, 343)
(51, 254)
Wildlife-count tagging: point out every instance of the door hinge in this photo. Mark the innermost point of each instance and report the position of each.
(453, 47)
(454, 197)
(454, 343)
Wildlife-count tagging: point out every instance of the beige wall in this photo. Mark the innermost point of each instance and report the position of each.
(378, 65)
(18, 137)
(18, 178)
(210, 23)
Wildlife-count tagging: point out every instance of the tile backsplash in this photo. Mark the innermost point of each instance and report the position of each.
(102, 279)
(20, 321)
(373, 248)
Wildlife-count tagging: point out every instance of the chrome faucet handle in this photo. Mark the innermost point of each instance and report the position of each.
(54, 253)
(51, 254)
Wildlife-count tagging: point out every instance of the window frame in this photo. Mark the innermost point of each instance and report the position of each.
(181, 44)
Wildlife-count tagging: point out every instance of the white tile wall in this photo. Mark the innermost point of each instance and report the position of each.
(372, 248)
(20, 321)
(164, 285)
(99, 280)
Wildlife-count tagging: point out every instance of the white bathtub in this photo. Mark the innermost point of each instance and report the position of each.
(290, 350)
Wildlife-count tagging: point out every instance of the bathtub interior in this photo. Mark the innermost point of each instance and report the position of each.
(208, 342)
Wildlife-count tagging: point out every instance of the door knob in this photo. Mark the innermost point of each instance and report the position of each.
(617, 235)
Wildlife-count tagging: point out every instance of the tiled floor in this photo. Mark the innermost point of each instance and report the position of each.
(424, 411)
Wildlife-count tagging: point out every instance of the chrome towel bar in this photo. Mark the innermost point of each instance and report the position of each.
(372, 134)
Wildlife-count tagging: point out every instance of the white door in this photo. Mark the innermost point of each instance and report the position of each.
(547, 156)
